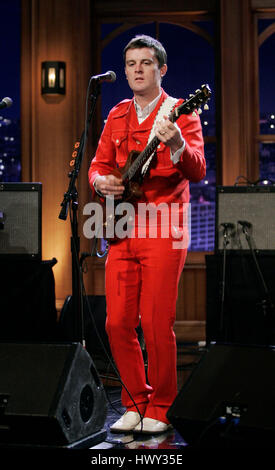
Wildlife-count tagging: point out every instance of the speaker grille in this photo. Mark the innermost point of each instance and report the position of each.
(251, 204)
(20, 219)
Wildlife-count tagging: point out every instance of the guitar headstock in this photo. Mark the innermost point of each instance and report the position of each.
(196, 100)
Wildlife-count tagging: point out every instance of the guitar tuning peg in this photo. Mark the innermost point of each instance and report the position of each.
(206, 107)
(191, 95)
(199, 111)
(198, 90)
(194, 113)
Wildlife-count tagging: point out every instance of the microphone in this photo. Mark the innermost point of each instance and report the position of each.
(228, 225)
(6, 102)
(105, 77)
(244, 223)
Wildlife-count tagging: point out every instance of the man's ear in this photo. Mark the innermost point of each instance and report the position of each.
(163, 70)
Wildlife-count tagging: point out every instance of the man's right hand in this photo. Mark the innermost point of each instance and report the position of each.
(109, 185)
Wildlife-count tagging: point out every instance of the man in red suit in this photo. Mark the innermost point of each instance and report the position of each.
(143, 271)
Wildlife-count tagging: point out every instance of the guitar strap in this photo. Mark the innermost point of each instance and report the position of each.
(165, 109)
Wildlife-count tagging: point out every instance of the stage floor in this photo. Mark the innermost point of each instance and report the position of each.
(188, 355)
(169, 440)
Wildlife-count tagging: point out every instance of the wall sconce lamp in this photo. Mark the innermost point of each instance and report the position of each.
(53, 78)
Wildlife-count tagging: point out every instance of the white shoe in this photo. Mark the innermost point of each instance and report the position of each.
(151, 426)
(126, 423)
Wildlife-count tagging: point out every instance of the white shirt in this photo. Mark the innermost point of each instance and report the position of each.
(143, 114)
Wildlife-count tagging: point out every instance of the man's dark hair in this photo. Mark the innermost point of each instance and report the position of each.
(147, 41)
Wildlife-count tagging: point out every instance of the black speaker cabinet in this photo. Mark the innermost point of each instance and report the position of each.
(50, 395)
(27, 293)
(20, 220)
(229, 397)
(252, 204)
(246, 317)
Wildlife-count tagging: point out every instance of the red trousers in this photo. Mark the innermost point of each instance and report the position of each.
(142, 278)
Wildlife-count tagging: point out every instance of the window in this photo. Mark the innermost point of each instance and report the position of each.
(10, 161)
(266, 40)
(191, 63)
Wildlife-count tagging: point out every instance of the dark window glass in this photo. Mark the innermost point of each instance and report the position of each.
(10, 160)
(267, 99)
(267, 162)
(266, 84)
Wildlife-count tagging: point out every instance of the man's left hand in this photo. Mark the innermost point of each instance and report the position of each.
(169, 134)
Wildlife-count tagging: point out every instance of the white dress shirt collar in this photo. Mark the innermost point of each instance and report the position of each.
(143, 114)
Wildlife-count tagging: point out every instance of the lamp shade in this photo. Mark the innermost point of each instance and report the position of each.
(53, 78)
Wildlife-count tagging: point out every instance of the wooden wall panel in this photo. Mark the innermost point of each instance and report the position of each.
(106, 7)
(263, 5)
(191, 303)
(238, 110)
(54, 30)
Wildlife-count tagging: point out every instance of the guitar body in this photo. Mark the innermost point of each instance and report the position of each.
(132, 193)
(133, 190)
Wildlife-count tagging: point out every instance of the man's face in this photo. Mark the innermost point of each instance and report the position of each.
(143, 72)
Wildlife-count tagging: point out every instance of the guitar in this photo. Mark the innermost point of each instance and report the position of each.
(131, 173)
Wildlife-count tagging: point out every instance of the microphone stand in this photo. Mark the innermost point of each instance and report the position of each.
(266, 302)
(71, 200)
(226, 236)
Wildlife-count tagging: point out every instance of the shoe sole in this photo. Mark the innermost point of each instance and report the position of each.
(144, 431)
(120, 431)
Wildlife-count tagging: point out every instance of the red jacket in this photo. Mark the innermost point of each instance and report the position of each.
(166, 181)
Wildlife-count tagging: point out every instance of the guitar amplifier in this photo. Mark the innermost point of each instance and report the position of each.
(245, 208)
(20, 220)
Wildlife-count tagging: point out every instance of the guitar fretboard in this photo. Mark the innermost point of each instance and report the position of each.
(141, 159)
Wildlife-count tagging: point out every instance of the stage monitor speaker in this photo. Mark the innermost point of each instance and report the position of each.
(20, 220)
(228, 399)
(50, 395)
(252, 204)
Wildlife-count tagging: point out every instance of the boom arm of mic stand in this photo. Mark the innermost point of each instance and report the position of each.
(267, 303)
(258, 269)
(225, 243)
(71, 192)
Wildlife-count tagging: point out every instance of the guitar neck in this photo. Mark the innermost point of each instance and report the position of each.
(141, 159)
